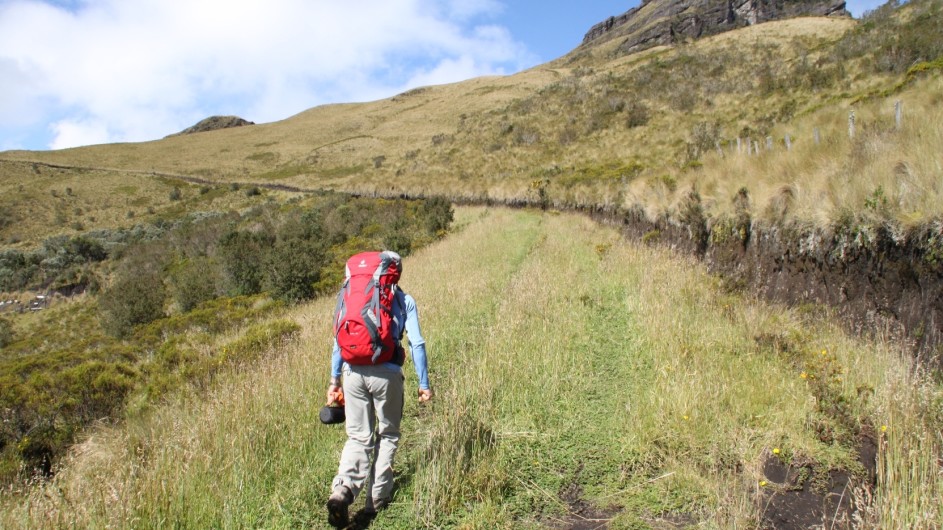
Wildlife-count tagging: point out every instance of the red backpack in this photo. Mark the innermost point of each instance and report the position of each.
(363, 319)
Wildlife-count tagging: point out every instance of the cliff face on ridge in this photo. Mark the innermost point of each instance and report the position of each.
(658, 22)
(214, 123)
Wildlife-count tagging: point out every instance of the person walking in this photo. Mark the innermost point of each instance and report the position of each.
(372, 315)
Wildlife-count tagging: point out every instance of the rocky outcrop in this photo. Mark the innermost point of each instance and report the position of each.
(659, 22)
(214, 123)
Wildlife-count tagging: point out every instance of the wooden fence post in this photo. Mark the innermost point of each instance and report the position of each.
(788, 143)
(818, 136)
(898, 113)
(851, 125)
(769, 143)
(739, 148)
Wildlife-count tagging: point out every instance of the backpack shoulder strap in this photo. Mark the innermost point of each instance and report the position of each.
(399, 299)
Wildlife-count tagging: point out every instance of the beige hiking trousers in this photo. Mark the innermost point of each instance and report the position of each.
(374, 409)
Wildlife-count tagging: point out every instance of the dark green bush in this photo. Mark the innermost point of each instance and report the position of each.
(195, 281)
(6, 332)
(637, 115)
(17, 269)
(7, 217)
(439, 214)
(133, 299)
(294, 269)
(242, 255)
(399, 243)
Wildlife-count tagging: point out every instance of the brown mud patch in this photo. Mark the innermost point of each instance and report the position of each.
(801, 495)
(581, 515)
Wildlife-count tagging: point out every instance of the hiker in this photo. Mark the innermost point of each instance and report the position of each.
(372, 378)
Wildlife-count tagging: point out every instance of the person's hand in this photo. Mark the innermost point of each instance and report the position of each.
(425, 395)
(335, 395)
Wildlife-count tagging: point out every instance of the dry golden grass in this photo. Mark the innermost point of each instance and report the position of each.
(491, 137)
(884, 173)
(39, 201)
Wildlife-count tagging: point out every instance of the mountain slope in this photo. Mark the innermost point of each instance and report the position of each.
(570, 121)
(605, 127)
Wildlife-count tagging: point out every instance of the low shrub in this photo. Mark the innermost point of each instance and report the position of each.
(257, 339)
(6, 332)
(134, 298)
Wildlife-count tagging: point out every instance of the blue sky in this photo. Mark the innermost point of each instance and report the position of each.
(79, 72)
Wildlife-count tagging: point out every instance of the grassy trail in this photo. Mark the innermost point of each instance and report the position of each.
(579, 378)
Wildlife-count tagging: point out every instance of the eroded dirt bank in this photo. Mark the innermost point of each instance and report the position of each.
(877, 279)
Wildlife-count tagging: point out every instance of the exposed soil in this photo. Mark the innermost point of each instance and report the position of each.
(582, 515)
(876, 279)
(800, 495)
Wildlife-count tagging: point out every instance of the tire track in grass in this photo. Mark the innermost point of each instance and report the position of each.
(534, 401)
(458, 284)
(577, 368)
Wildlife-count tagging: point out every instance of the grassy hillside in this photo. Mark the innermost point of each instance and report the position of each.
(125, 315)
(578, 378)
(581, 379)
(598, 127)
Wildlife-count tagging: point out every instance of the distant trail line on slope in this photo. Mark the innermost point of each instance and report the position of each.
(185, 178)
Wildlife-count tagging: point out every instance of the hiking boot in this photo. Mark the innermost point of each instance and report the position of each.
(337, 505)
(372, 508)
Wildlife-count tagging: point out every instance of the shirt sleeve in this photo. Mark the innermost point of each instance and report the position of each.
(336, 361)
(417, 344)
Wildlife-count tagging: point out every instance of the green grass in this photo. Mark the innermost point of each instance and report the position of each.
(567, 364)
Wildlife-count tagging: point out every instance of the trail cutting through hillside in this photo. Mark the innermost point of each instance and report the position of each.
(581, 382)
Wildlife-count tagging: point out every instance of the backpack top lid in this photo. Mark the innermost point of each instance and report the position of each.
(385, 267)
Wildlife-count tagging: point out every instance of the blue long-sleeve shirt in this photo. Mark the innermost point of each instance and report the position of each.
(407, 316)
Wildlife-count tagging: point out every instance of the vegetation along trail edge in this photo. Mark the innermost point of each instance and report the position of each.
(877, 278)
(580, 377)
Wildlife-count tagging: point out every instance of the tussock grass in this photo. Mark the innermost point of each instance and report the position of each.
(567, 364)
(655, 114)
(910, 482)
(882, 174)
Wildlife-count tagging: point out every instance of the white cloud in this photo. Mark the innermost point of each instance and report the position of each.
(130, 70)
(69, 133)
